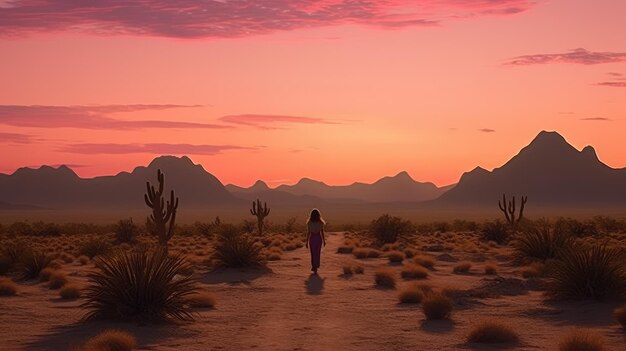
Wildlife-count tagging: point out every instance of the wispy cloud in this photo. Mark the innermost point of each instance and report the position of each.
(15, 138)
(151, 148)
(577, 56)
(90, 117)
(615, 84)
(601, 119)
(235, 18)
(272, 121)
(487, 130)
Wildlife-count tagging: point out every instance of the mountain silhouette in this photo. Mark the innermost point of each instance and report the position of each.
(61, 188)
(550, 172)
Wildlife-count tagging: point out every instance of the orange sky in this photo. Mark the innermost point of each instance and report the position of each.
(332, 93)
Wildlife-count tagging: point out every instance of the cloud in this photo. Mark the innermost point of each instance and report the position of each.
(604, 119)
(486, 130)
(616, 84)
(15, 138)
(151, 148)
(615, 74)
(90, 117)
(235, 18)
(577, 56)
(271, 121)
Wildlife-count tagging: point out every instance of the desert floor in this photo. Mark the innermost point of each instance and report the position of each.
(284, 308)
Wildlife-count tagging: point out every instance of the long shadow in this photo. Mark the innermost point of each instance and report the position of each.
(314, 284)
(437, 326)
(576, 313)
(67, 337)
(234, 275)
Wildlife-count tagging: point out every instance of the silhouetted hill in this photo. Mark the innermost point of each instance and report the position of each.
(62, 188)
(550, 172)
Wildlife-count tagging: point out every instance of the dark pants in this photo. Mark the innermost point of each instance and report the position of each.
(315, 245)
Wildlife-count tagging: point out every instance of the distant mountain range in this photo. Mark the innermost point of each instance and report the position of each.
(549, 171)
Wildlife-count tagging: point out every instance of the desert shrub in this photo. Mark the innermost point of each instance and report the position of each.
(290, 225)
(395, 256)
(95, 247)
(126, 231)
(620, 315)
(31, 264)
(606, 224)
(462, 267)
(412, 293)
(409, 253)
(491, 269)
(57, 280)
(576, 227)
(202, 299)
(83, 260)
(20, 228)
(5, 264)
(236, 249)
(437, 306)
(461, 225)
(490, 331)
(45, 229)
(387, 229)
(542, 242)
(46, 273)
(441, 227)
(581, 340)
(373, 253)
(70, 291)
(141, 285)
(7, 287)
(360, 252)
(345, 249)
(385, 278)
(412, 271)
(358, 269)
(248, 226)
(533, 270)
(496, 231)
(425, 261)
(595, 272)
(111, 340)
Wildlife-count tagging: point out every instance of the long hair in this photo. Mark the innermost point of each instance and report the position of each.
(316, 217)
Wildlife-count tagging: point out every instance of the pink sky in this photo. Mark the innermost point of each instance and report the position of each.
(334, 90)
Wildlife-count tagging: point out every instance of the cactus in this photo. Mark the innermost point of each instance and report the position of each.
(260, 213)
(509, 209)
(163, 217)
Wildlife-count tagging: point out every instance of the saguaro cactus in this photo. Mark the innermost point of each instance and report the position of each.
(163, 216)
(260, 213)
(509, 209)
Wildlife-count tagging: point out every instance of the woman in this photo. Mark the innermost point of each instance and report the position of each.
(315, 238)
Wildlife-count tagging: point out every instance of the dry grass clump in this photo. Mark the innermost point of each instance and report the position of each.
(70, 291)
(202, 299)
(274, 254)
(620, 315)
(236, 249)
(491, 269)
(46, 273)
(345, 249)
(95, 247)
(413, 271)
(410, 253)
(67, 258)
(425, 261)
(581, 340)
(31, 264)
(385, 278)
(83, 260)
(373, 253)
(533, 270)
(437, 306)
(462, 267)
(111, 340)
(491, 331)
(7, 287)
(395, 256)
(413, 293)
(542, 242)
(57, 280)
(56, 263)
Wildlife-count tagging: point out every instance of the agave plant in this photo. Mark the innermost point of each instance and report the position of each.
(595, 272)
(235, 249)
(542, 242)
(31, 264)
(140, 285)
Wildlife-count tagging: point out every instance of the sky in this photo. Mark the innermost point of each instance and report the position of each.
(334, 90)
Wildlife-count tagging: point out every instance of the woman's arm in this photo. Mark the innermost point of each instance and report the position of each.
(323, 237)
(308, 234)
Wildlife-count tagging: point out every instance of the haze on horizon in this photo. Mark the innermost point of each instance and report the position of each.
(340, 92)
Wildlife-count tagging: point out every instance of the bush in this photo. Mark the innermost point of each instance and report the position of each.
(111, 340)
(31, 264)
(140, 285)
(70, 291)
(395, 256)
(425, 261)
(437, 306)
(344, 249)
(236, 249)
(491, 269)
(496, 231)
(360, 253)
(533, 270)
(596, 272)
(620, 315)
(462, 267)
(57, 280)
(413, 293)
(385, 278)
(7, 287)
(542, 242)
(5, 264)
(95, 247)
(202, 299)
(581, 340)
(126, 231)
(388, 229)
(412, 271)
(492, 332)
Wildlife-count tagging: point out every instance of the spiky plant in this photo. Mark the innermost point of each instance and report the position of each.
(236, 249)
(95, 247)
(31, 264)
(595, 272)
(496, 231)
(542, 242)
(140, 285)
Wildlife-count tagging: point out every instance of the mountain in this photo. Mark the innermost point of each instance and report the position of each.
(399, 188)
(62, 188)
(551, 172)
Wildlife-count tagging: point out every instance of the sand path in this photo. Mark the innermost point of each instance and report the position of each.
(285, 308)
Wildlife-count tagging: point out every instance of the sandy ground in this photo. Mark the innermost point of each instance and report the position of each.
(285, 308)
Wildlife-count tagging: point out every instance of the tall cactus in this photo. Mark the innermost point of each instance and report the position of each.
(163, 215)
(260, 213)
(509, 209)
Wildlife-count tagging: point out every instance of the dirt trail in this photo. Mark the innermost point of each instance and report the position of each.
(285, 308)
